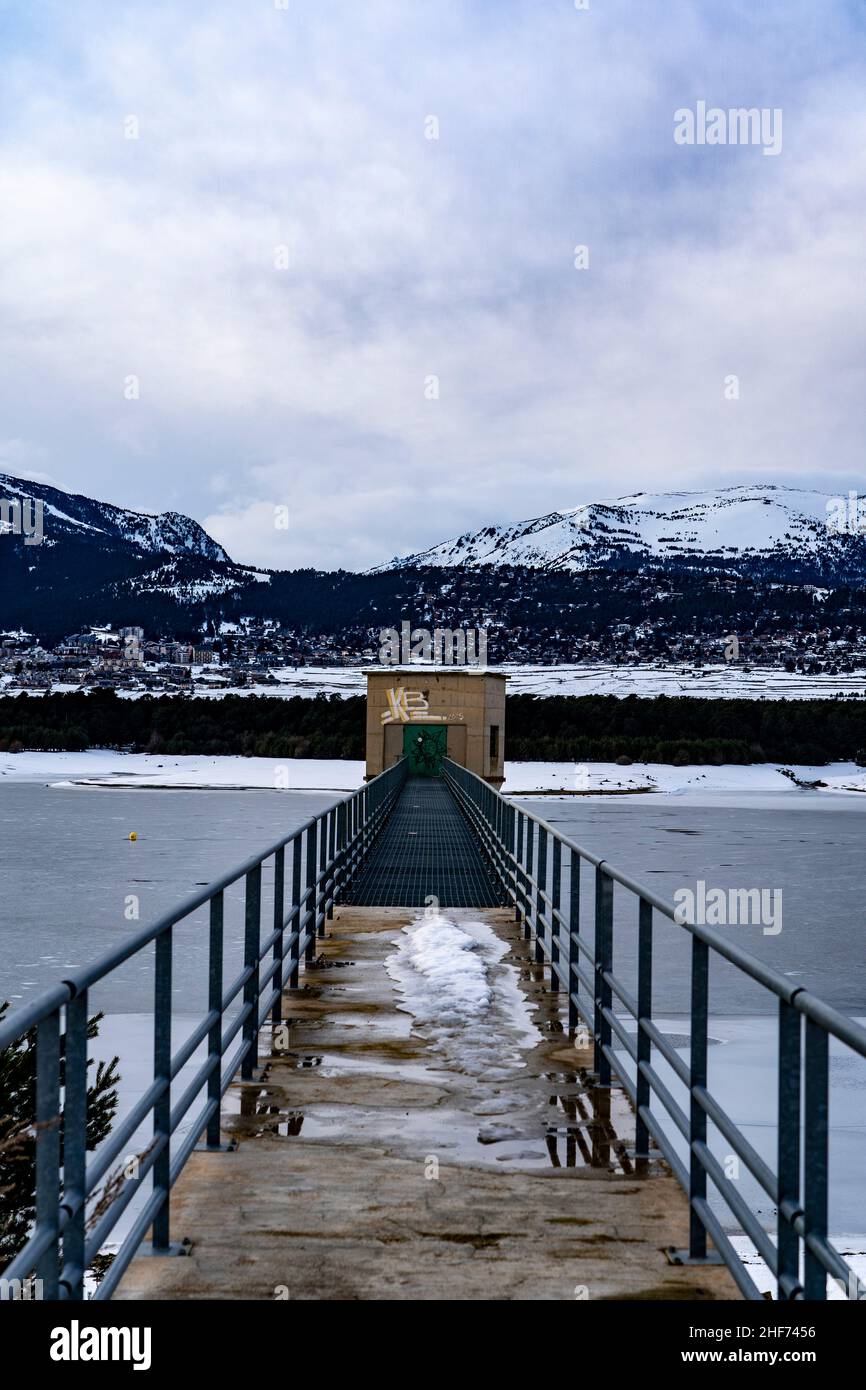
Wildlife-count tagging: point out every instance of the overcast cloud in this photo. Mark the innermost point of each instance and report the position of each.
(268, 136)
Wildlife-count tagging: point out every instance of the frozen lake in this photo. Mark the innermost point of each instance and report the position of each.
(70, 874)
(808, 847)
(69, 871)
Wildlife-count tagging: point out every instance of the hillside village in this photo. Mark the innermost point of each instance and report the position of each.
(253, 653)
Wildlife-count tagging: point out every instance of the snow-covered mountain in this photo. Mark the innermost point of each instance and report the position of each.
(732, 526)
(96, 562)
(733, 556)
(68, 513)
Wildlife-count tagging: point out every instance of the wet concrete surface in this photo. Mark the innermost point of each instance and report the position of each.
(372, 1163)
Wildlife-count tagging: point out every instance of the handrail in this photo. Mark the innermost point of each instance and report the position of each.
(324, 854)
(527, 854)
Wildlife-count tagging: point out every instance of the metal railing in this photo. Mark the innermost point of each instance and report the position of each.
(528, 856)
(315, 863)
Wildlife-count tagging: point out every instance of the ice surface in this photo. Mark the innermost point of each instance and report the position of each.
(106, 767)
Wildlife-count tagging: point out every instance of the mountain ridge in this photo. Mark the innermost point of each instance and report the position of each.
(729, 525)
(171, 532)
(734, 556)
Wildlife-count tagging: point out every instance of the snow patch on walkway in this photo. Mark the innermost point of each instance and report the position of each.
(462, 995)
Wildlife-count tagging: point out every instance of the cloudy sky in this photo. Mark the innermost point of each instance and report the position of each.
(237, 273)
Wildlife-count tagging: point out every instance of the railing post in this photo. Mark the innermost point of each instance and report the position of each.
(366, 807)
(339, 867)
(555, 894)
(518, 868)
(295, 949)
(603, 962)
(355, 830)
(698, 1079)
(311, 894)
(527, 919)
(160, 1238)
(48, 1148)
(573, 941)
(787, 1240)
(74, 1146)
(348, 852)
(816, 1154)
(323, 831)
(215, 1005)
(252, 936)
(279, 917)
(541, 878)
(644, 1012)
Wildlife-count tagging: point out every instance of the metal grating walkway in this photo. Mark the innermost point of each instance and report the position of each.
(426, 849)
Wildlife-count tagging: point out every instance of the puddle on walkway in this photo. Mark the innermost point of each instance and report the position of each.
(437, 1045)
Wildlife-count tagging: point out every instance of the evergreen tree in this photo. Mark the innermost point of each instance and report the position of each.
(17, 1120)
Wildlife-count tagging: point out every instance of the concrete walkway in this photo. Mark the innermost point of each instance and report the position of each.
(377, 1163)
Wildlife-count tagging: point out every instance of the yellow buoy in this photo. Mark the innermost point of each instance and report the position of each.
(133, 835)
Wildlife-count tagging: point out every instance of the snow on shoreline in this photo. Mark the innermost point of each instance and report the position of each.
(104, 767)
(726, 682)
(97, 767)
(594, 779)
